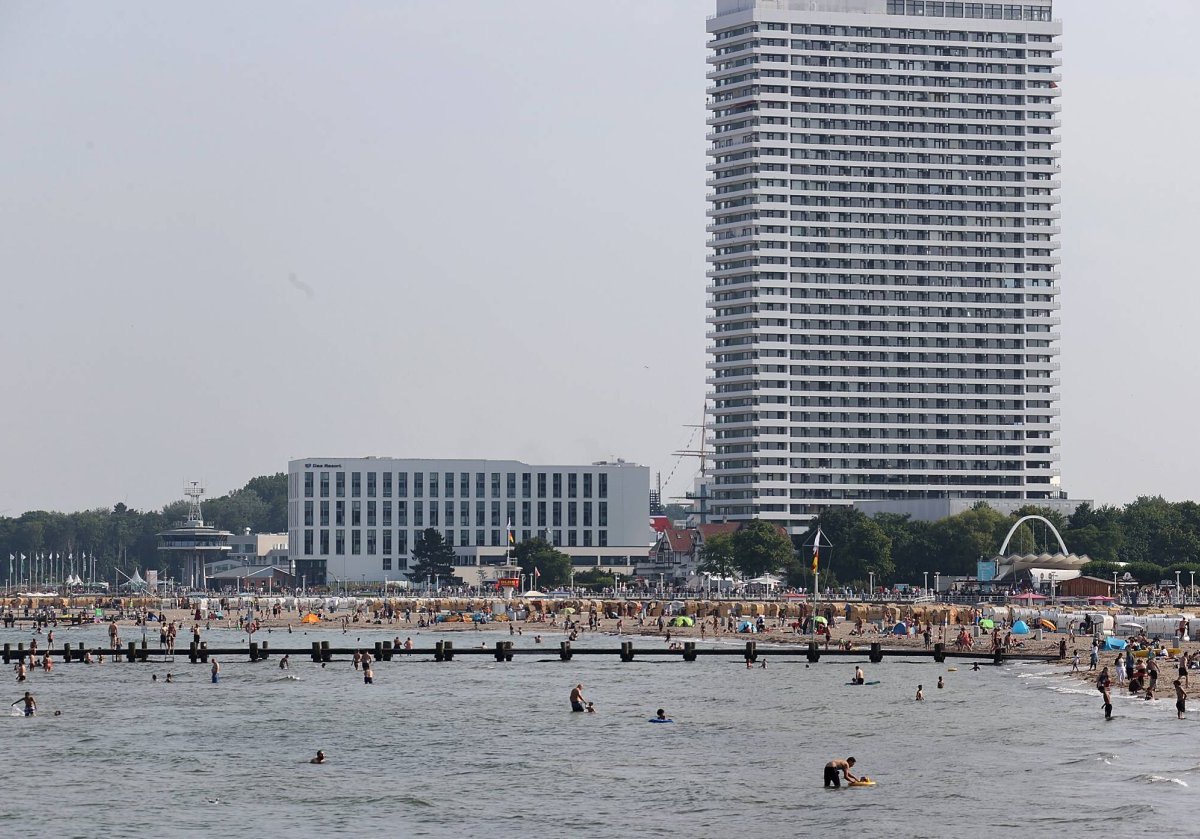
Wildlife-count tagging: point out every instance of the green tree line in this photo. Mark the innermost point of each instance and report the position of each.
(126, 538)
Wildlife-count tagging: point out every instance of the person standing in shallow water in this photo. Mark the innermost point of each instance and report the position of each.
(216, 671)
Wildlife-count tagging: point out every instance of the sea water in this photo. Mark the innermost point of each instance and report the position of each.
(474, 747)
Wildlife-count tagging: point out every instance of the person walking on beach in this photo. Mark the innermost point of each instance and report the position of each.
(1094, 659)
(1075, 662)
(1180, 699)
(1153, 667)
(1183, 667)
(1119, 668)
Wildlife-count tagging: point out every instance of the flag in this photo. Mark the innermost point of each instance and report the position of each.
(536, 573)
(816, 550)
(512, 539)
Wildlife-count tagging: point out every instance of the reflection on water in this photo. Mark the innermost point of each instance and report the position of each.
(446, 749)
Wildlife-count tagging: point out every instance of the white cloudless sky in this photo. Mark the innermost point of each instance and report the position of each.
(233, 234)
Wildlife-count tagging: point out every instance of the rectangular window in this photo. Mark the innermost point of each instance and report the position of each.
(339, 542)
(402, 485)
(495, 485)
(558, 538)
(324, 484)
(464, 485)
(495, 514)
(541, 514)
(572, 485)
(449, 484)
(387, 484)
(587, 513)
(495, 538)
(325, 543)
(308, 484)
(371, 476)
(510, 484)
(526, 514)
(433, 514)
(541, 481)
(587, 538)
(433, 484)
(524, 535)
(449, 518)
(387, 514)
(572, 539)
(308, 543)
(402, 545)
(418, 514)
(371, 513)
(464, 515)
(449, 537)
(356, 514)
(480, 537)
(464, 537)
(572, 514)
(557, 485)
(339, 513)
(340, 485)
(387, 563)
(587, 485)
(355, 542)
(356, 484)
(401, 514)
(526, 484)
(480, 515)
(602, 538)
(510, 513)
(324, 514)
(479, 484)
(556, 514)
(371, 543)
(308, 514)
(387, 541)
(602, 514)
(603, 485)
(418, 484)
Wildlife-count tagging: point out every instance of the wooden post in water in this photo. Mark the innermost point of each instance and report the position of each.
(627, 651)
(939, 652)
(254, 651)
(193, 652)
(814, 653)
(316, 651)
(203, 652)
(876, 655)
(143, 653)
(7, 653)
(689, 650)
(130, 652)
(564, 650)
(751, 652)
(326, 655)
(379, 651)
(263, 651)
(438, 655)
(387, 650)
(20, 651)
(66, 652)
(448, 650)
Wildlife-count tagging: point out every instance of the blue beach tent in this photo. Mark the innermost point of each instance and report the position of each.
(1020, 628)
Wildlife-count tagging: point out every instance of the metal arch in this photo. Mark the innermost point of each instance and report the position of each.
(1062, 545)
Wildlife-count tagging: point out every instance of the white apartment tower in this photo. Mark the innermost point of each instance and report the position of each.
(883, 266)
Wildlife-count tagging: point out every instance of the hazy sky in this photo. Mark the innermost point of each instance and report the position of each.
(233, 233)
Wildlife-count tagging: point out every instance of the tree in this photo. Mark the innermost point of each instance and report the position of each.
(547, 565)
(717, 556)
(594, 579)
(760, 547)
(432, 557)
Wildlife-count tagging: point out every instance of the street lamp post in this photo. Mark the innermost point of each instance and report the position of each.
(872, 575)
(925, 588)
(1114, 594)
(1052, 586)
(1178, 593)
(937, 587)
(1192, 587)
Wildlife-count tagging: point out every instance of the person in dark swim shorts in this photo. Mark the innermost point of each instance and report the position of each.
(834, 767)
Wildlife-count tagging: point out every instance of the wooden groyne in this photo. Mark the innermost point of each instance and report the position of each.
(503, 651)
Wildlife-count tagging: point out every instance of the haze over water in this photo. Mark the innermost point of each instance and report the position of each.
(475, 747)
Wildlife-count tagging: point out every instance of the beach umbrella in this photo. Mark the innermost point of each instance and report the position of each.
(1047, 624)
(1132, 626)
(1020, 628)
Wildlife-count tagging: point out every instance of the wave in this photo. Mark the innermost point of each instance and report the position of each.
(1158, 779)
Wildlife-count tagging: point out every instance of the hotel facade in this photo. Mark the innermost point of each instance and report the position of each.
(883, 292)
(358, 519)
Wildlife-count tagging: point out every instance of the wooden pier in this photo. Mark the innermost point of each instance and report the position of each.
(504, 651)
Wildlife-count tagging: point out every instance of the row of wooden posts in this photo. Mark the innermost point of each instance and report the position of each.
(322, 651)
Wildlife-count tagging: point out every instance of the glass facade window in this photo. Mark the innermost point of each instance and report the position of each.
(308, 543)
(355, 542)
(479, 485)
(464, 537)
(340, 484)
(557, 485)
(480, 515)
(526, 484)
(495, 485)
(356, 484)
(526, 514)
(324, 484)
(387, 514)
(308, 484)
(572, 514)
(401, 514)
(572, 485)
(308, 514)
(339, 513)
(496, 514)
(603, 485)
(387, 541)
(371, 518)
(325, 543)
(339, 542)
(556, 514)
(541, 484)
(464, 515)
(433, 484)
(587, 514)
(418, 514)
(418, 484)
(387, 563)
(324, 514)
(587, 485)
(387, 484)
(356, 514)
(449, 514)
(371, 479)
(510, 484)
(602, 538)
(572, 539)
(371, 543)
(480, 537)
(602, 513)
(541, 514)
(402, 485)
(464, 485)
(449, 484)
(402, 545)
(587, 538)
(433, 514)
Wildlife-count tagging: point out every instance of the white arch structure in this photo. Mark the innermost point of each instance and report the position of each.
(1061, 545)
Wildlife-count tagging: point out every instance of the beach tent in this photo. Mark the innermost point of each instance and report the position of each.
(310, 618)
(1020, 628)
(747, 626)
(901, 628)
(683, 620)
(1112, 643)
(534, 593)
(987, 623)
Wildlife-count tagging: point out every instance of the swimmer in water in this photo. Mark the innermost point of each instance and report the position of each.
(320, 758)
(859, 677)
(591, 708)
(661, 716)
(284, 663)
(920, 693)
(29, 702)
(170, 678)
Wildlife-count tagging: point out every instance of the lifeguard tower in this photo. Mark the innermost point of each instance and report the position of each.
(194, 543)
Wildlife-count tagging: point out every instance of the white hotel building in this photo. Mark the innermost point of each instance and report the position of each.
(883, 265)
(358, 519)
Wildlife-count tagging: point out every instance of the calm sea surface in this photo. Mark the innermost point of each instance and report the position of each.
(472, 747)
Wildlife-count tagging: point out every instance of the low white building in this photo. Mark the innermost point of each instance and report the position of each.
(357, 519)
